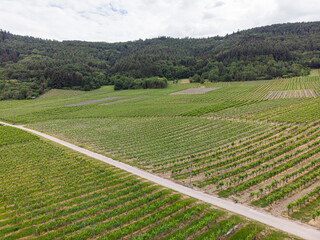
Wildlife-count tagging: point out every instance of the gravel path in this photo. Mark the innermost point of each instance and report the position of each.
(122, 100)
(299, 229)
(194, 91)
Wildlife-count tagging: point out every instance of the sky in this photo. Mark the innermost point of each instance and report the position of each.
(126, 20)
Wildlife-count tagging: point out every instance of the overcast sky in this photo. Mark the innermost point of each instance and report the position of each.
(123, 20)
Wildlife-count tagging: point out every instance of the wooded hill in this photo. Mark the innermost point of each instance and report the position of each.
(30, 66)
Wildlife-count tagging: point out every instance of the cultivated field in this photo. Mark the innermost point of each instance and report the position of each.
(256, 142)
(53, 193)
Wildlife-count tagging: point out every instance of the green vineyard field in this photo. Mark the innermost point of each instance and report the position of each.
(48, 192)
(256, 142)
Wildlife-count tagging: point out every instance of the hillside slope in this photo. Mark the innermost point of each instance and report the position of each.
(30, 66)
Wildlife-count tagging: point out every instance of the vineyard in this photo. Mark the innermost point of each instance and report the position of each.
(256, 142)
(58, 194)
(154, 141)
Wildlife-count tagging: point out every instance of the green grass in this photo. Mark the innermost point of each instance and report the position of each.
(315, 72)
(276, 235)
(247, 232)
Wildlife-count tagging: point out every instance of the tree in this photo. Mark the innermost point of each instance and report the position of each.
(196, 78)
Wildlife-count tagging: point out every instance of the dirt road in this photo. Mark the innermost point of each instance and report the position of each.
(301, 230)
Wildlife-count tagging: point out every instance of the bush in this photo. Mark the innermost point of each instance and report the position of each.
(196, 78)
(154, 82)
(123, 82)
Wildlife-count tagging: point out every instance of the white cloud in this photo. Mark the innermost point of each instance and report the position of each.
(122, 20)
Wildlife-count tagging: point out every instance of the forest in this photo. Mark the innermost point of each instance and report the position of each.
(31, 66)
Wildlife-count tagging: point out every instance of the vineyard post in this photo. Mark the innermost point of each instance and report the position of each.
(190, 171)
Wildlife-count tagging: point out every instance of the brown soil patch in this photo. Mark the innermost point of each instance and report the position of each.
(186, 80)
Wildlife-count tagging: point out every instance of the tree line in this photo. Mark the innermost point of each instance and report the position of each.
(30, 66)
